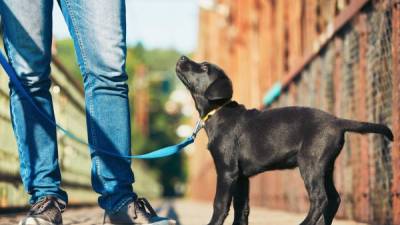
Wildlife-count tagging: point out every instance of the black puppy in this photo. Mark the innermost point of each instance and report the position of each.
(245, 142)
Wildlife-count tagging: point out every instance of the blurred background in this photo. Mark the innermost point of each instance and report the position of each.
(341, 56)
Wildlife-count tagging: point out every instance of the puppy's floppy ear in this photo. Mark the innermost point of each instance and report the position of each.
(219, 89)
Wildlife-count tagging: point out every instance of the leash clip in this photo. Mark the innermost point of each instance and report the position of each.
(197, 128)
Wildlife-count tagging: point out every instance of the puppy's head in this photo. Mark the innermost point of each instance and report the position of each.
(208, 84)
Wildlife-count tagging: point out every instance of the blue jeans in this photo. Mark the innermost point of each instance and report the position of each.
(98, 31)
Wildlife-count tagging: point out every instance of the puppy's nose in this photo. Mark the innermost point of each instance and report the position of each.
(183, 58)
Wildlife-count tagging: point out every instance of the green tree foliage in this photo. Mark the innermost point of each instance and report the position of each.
(161, 81)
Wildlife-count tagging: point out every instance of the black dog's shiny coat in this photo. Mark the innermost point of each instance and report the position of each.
(245, 142)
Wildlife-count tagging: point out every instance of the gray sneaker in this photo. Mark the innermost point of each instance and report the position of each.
(138, 211)
(47, 211)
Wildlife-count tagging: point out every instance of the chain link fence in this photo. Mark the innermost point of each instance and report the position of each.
(335, 82)
(341, 56)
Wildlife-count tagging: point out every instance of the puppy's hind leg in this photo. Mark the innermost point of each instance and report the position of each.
(241, 201)
(313, 164)
(316, 160)
(314, 182)
(333, 198)
(332, 193)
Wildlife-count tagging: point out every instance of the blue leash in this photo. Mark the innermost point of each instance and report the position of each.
(163, 152)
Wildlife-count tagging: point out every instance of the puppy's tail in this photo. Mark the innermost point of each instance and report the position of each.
(364, 127)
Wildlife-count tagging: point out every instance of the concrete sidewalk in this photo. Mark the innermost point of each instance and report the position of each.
(199, 213)
(186, 212)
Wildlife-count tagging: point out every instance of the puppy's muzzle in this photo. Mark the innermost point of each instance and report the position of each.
(183, 64)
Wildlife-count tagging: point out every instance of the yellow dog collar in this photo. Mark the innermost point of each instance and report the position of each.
(212, 112)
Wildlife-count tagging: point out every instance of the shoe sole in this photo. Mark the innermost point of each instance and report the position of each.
(36, 221)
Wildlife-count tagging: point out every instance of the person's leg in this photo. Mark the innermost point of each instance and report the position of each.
(27, 38)
(98, 30)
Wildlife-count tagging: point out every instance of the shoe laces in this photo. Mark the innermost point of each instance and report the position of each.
(43, 204)
(144, 207)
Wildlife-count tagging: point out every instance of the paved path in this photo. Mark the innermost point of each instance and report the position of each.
(184, 211)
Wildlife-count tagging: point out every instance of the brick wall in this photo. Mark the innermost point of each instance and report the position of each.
(341, 56)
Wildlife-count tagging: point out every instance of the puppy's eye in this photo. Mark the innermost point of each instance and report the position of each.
(204, 68)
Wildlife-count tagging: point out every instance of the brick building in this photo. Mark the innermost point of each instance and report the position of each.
(341, 56)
